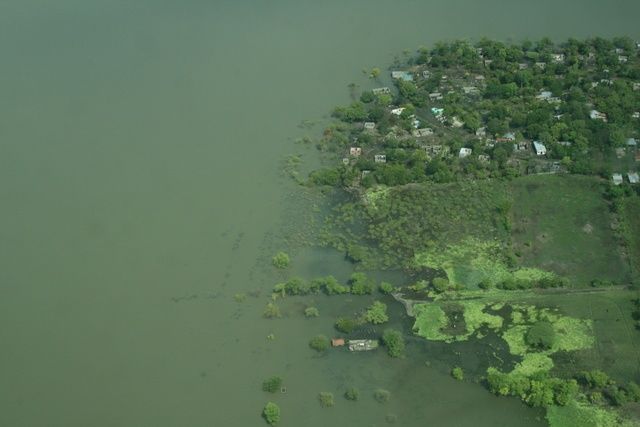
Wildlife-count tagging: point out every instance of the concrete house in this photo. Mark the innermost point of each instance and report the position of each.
(617, 178)
(597, 115)
(380, 158)
(633, 177)
(369, 125)
(397, 111)
(558, 58)
(539, 148)
(355, 151)
(402, 75)
(418, 133)
(464, 152)
(632, 142)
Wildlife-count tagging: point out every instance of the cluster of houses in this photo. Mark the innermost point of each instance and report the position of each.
(631, 176)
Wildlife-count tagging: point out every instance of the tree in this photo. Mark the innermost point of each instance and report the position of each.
(440, 284)
(271, 413)
(596, 378)
(360, 284)
(457, 373)
(394, 342)
(541, 335)
(386, 288)
(375, 73)
(352, 393)
(281, 260)
(381, 395)
(311, 312)
(346, 325)
(271, 311)
(319, 343)
(272, 385)
(326, 399)
(377, 313)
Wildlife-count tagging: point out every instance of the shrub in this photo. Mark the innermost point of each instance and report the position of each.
(377, 313)
(360, 284)
(541, 336)
(386, 288)
(326, 399)
(457, 373)
(440, 284)
(311, 312)
(595, 378)
(352, 393)
(271, 413)
(281, 260)
(272, 385)
(319, 343)
(394, 342)
(346, 325)
(381, 395)
(271, 311)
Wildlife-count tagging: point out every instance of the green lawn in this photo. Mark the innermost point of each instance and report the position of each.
(562, 224)
(632, 220)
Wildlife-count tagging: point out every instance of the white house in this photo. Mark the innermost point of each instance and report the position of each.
(633, 177)
(381, 90)
(369, 125)
(558, 58)
(617, 178)
(539, 147)
(597, 115)
(464, 152)
(632, 142)
(355, 151)
(380, 158)
(397, 111)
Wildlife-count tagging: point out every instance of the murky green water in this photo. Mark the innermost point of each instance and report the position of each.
(139, 190)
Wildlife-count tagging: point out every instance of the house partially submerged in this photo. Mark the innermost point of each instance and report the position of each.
(402, 75)
(381, 90)
(337, 342)
(363, 345)
(435, 96)
(539, 148)
(369, 125)
(558, 58)
(617, 178)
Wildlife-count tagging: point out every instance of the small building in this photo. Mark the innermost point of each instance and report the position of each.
(365, 173)
(544, 95)
(539, 148)
(481, 132)
(363, 345)
(337, 342)
(635, 115)
(381, 90)
(558, 58)
(617, 178)
(483, 158)
(369, 125)
(418, 133)
(464, 152)
(523, 66)
(541, 65)
(508, 137)
(456, 122)
(470, 90)
(435, 96)
(355, 151)
(438, 112)
(564, 143)
(397, 111)
(597, 115)
(402, 75)
(521, 146)
(636, 86)
(487, 62)
(622, 59)
(345, 161)
(619, 50)
(633, 177)
(380, 158)
(436, 150)
(632, 142)
(479, 77)
(426, 74)
(415, 123)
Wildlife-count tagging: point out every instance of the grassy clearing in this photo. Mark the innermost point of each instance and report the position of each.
(632, 222)
(562, 224)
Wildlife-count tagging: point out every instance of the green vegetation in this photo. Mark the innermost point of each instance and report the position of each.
(311, 312)
(457, 373)
(541, 335)
(386, 288)
(377, 313)
(326, 399)
(272, 385)
(346, 325)
(381, 395)
(271, 311)
(319, 343)
(281, 260)
(352, 393)
(271, 413)
(394, 342)
(360, 284)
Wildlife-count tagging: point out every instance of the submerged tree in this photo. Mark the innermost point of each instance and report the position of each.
(377, 313)
(271, 413)
(281, 260)
(394, 342)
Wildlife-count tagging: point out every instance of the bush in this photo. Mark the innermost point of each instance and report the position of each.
(311, 312)
(386, 288)
(271, 311)
(394, 342)
(352, 393)
(281, 260)
(440, 284)
(381, 395)
(346, 325)
(377, 313)
(541, 336)
(326, 399)
(595, 378)
(457, 373)
(319, 343)
(360, 284)
(271, 413)
(272, 385)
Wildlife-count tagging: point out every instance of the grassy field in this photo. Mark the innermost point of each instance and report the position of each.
(632, 220)
(562, 224)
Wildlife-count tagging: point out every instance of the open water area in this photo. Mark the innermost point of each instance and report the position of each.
(141, 146)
